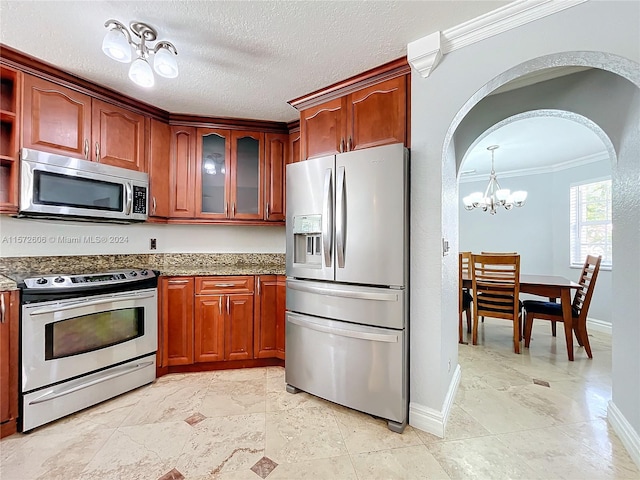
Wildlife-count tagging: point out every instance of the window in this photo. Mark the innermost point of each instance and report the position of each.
(591, 229)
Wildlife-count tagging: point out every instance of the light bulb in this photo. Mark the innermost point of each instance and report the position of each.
(116, 46)
(165, 64)
(141, 74)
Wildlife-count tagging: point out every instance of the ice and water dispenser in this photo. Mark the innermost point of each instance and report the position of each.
(307, 239)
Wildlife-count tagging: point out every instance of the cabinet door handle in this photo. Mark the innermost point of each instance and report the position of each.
(154, 205)
(177, 282)
(2, 308)
(267, 210)
(223, 285)
(226, 209)
(220, 304)
(234, 209)
(258, 285)
(97, 152)
(86, 148)
(228, 311)
(349, 144)
(341, 145)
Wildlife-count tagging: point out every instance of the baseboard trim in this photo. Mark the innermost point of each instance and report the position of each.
(629, 437)
(599, 325)
(431, 420)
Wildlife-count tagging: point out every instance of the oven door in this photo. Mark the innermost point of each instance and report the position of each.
(63, 339)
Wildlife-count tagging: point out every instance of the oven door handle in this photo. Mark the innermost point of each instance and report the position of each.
(71, 306)
(52, 394)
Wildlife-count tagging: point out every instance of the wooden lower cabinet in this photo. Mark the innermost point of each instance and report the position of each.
(269, 330)
(9, 316)
(205, 320)
(177, 297)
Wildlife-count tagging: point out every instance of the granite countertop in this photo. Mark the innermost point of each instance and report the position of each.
(206, 270)
(7, 284)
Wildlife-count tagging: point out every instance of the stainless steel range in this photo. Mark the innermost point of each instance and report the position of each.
(85, 338)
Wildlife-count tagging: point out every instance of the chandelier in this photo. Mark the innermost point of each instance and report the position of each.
(214, 164)
(494, 196)
(118, 43)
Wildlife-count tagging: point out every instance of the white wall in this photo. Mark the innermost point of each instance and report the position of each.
(575, 36)
(20, 237)
(539, 231)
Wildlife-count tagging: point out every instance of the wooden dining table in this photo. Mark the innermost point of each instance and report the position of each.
(552, 287)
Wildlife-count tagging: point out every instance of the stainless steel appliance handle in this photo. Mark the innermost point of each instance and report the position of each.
(340, 217)
(2, 308)
(53, 394)
(73, 305)
(327, 217)
(129, 192)
(334, 292)
(343, 332)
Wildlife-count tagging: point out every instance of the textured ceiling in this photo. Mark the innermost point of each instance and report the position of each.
(536, 142)
(241, 59)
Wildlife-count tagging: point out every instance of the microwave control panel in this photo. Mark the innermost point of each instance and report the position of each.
(139, 199)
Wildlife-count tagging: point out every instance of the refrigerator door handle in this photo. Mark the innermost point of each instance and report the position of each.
(341, 215)
(375, 337)
(335, 292)
(327, 217)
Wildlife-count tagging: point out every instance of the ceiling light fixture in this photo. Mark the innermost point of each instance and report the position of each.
(494, 196)
(214, 164)
(118, 42)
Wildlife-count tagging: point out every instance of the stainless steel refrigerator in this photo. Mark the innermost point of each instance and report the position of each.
(347, 259)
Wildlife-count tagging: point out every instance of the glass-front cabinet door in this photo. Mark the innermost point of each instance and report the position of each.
(246, 175)
(213, 173)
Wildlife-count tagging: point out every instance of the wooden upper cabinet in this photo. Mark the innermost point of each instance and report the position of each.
(118, 136)
(294, 147)
(322, 129)
(213, 175)
(276, 156)
(59, 120)
(247, 173)
(377, 115)
(182, 172)
(158, 165)
(56, 119)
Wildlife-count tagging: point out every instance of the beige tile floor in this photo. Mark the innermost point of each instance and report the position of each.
(241, 424)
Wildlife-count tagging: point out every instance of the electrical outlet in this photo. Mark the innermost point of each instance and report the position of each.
(445, 247)
(152, 244)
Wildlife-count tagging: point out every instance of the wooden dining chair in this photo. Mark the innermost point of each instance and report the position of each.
(580, 307)
(496, 288)
(497, 253)
(464, 297)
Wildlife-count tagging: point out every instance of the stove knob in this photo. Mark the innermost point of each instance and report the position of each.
(133, 274)
(144, 272)
(41, 281)
(58, 280)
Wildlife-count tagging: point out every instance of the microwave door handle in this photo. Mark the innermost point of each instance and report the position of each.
(129, 204)
(327, 217)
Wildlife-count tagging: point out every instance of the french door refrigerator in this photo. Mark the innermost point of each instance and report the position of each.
(347, 255)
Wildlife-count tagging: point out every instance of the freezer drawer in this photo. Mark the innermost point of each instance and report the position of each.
(364, 368)
(380, 307)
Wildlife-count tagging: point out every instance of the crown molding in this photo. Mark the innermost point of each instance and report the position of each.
(424, 54)
(576, 162)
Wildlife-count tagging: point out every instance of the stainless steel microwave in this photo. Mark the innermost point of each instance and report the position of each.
(54, 186)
